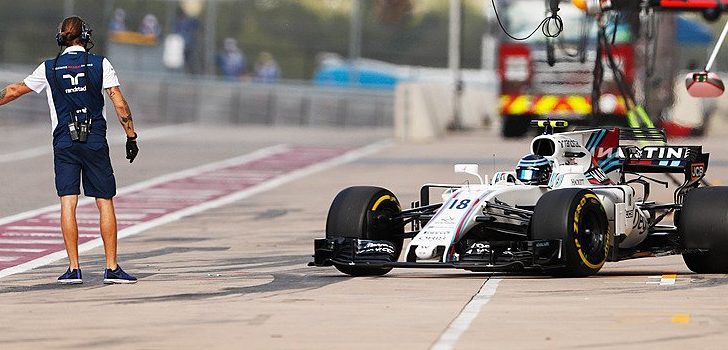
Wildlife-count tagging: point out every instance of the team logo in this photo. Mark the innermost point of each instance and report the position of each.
(75, 81)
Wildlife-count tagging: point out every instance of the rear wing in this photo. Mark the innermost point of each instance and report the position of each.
(688, 160)
(643, 135)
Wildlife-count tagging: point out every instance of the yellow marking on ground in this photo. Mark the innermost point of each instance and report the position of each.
(681, 318)
(668, 279)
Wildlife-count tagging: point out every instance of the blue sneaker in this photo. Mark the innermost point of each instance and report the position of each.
(118, 276)
(71, 277)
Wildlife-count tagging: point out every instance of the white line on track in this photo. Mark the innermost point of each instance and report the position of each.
(36, 228)
(231, 198)
(30, 241)
(261, 153)
(44, 234)
(22, 250)
(149, 134)
(460, 324)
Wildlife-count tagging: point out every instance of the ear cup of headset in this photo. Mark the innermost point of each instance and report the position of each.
(85, 33)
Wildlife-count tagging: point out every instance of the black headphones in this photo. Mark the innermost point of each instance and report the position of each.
(85, 35)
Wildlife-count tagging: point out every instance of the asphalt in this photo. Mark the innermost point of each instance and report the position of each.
(235, 276)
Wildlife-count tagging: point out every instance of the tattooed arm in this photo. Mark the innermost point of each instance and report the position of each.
(12, 92)
(123, 112)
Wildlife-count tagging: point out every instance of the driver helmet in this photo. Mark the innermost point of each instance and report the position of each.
(533, 169)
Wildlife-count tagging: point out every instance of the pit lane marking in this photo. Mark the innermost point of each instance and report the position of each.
(680, 318)
(461, 323)
(664, 280)
(246, 176)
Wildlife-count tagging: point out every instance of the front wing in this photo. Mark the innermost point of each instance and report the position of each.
(481, 256)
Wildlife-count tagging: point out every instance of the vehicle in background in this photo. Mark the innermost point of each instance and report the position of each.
(336, 71)
(530, 88)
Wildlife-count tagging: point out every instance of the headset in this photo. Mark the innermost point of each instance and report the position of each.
(85, 35)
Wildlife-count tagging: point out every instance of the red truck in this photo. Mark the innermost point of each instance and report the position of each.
(532, 89)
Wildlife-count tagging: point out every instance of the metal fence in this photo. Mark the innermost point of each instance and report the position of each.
(169, 101)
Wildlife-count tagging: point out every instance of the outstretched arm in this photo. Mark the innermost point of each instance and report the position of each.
(12, 92)
(123, 112)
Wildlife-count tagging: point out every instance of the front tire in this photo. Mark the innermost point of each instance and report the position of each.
(577, 218)
(365, 212)
(703, 224)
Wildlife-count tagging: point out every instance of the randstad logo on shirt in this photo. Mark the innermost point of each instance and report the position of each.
(76, 89)
(74, 81)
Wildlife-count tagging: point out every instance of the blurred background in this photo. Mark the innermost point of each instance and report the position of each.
(420, 67)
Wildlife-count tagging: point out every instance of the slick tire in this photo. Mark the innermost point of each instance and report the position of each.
(364, 212)
(703, 224)
(577, 218)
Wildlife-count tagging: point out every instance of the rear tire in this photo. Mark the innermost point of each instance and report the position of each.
(703, 224)
(577, 218)
(364, 212)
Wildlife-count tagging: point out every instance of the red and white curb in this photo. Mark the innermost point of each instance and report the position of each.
(32, 239)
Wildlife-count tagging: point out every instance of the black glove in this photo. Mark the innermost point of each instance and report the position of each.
(131, 148)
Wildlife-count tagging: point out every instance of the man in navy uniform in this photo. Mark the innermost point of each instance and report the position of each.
(74, 82)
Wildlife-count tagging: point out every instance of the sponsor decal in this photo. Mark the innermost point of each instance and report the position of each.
(542, 244)
(76, 89)
(578, 182)
(74, 78)
(74, 66)
(697, 170)
(447, 220)
(75, 81)
(665, 152)
(478, 248)
(568, 143)
(577, 217)
(659, 152)
(368, 247)
(434, 235)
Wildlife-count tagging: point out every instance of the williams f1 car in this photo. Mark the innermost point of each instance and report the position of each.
(578, 200)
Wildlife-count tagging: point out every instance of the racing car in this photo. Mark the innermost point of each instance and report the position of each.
(578, 200)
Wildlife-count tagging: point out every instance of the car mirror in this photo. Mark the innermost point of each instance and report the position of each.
(704, 84)
(471, 169)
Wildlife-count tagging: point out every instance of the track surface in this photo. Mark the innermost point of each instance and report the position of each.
(37, 235)
(235, 276)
